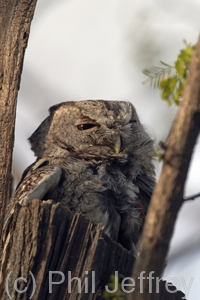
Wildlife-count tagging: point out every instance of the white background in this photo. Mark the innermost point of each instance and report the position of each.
(97, 49)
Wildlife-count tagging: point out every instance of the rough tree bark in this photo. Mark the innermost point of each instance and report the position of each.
(168, 194)
(15, 21)
(45, 237)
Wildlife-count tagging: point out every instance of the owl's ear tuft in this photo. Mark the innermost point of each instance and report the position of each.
(38, 138)
(53, 108)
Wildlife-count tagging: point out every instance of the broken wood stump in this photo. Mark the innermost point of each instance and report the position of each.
(54, 254)
(49, 245)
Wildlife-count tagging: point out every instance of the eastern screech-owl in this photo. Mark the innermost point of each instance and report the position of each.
(95, 158)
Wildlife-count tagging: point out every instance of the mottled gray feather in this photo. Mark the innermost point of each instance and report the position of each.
(95, 158)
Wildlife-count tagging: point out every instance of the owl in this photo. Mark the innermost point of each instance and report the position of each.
(94, 157)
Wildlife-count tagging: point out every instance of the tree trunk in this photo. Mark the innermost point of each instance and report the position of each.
(168, 194)
(15, 21)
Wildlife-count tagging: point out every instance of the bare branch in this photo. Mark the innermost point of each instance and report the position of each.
(191, 197)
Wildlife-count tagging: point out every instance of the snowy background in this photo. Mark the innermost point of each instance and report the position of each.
(97, 49)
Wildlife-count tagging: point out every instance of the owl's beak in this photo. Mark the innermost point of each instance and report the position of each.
(117, 145)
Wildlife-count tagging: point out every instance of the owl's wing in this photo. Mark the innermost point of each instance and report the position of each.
(38, 180)
(38, 183)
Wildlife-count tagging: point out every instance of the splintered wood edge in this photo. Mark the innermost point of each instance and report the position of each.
(45, 236)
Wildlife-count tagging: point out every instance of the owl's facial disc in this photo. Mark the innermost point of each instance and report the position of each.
(92, 124)
(95, 128)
